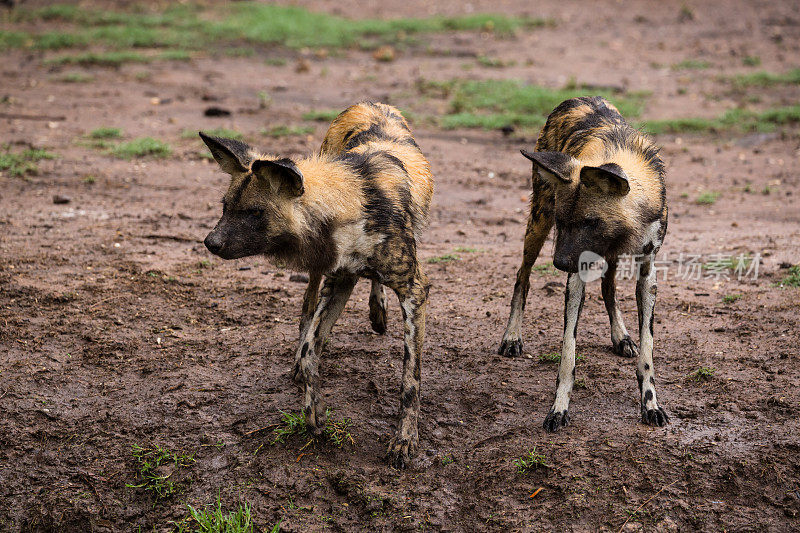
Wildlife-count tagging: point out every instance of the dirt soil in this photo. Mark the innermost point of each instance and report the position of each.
(119, 328)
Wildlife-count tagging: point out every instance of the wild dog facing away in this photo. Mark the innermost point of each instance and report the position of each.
(354, 210)
(602, 183)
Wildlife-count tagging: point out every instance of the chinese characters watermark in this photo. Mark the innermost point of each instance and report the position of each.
(687, 267)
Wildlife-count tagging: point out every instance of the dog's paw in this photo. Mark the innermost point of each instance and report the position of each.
(316, 419)
(377, 319)
(296, 374)
(627, 348)
(655, 417)
(555, 419)
(510, 348)
(401, 450)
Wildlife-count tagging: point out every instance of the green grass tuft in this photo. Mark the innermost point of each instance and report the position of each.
(545, 269)
(174, 55)
(550, 357)
(106, 133)
(766, 79)
(60, 40)
(707, 198)
(730, 298)
(447, 258)
(530, 461)
(20, 164)
(294, 424)
(14, 39)
(211, 519)
(76, 77)
(691, 64)
(142, 147)
(793, 279)
(287, 131)
(704, 373)
(154, 468)
(751, 61)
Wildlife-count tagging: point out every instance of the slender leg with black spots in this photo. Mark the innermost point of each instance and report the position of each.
(652, 413)
(539, 225)
(622, 342)
(377, 307)
(310, 299)
(333, 298)
(413, 302)
(573, 304)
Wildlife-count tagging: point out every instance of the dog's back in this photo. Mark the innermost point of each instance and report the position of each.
(376, 141)
(593, 131)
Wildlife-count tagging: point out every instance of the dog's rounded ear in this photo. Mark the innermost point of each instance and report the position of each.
(281, 172)
(608, 178)
(232, 155)
(555, 167)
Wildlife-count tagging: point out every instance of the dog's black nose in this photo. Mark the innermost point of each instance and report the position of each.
(565, 264)
(213, 242)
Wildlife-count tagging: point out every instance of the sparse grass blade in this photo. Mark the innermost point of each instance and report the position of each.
(530, 461)
(155, 467)
(212, 519)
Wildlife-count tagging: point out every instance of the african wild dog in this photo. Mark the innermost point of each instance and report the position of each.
(602, 183)
(353, 210)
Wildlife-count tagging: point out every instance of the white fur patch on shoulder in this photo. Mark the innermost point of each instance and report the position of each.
(354, 246)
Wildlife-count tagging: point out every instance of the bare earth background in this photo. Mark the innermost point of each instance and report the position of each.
(118, 328)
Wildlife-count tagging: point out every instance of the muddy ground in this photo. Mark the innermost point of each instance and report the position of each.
(118, 328)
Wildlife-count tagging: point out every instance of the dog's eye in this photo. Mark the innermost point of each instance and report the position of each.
(255, 213)
(592, 221)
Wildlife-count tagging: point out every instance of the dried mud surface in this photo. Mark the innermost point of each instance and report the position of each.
(112, 332)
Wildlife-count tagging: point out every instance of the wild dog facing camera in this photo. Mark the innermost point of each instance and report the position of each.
(589, 215)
